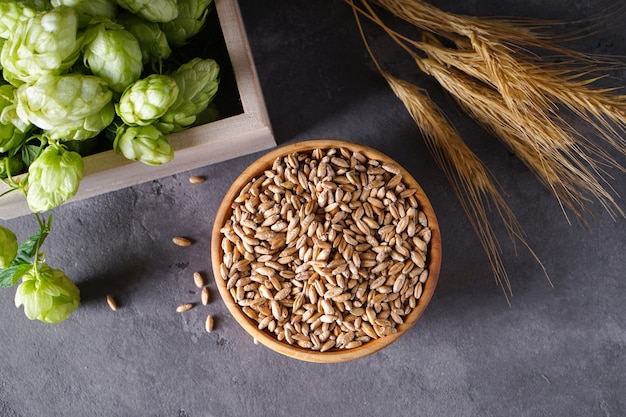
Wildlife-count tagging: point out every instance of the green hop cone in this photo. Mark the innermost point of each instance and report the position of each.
(10, 136)
(152, 40)
(151, 10)
(8, 106)
(67, 107)
(198, 83)
(11, 13)
(45, 44)
(8, 247)
(143, 143)
(53, 178)
(190, 20)
(87, 9)
(147, 99)
(114, 55)
(47, 295)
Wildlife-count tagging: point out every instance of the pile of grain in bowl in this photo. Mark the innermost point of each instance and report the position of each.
(326, 249)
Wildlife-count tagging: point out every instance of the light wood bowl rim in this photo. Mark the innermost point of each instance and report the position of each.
(296, 352)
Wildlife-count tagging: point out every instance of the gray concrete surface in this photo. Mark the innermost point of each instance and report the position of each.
(554, 351)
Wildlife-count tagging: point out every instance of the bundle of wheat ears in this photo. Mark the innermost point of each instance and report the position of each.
(495, 70)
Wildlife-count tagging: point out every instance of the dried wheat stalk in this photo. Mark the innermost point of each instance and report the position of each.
(487, 66)
(473, 184)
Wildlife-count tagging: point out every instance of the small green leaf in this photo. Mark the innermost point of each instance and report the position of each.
(11, 275)
(27, 250)
(30, 153)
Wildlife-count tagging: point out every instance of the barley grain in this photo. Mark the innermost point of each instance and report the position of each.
(198, 279)
(197, 179)
(205, 295)
(181, 241)
(266, 292)
(184, 307)
(111, 302)
(282, 294)
(209, 323)
(353, 344)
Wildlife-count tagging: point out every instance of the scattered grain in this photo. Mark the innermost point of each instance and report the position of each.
(197, 179)
(184, 307)
(209, 323)
(205, 296)
(181, 241)
(198, 279)
(111, 302)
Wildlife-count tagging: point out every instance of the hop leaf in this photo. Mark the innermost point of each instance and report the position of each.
(147, 99)
(8, 247)
(10, 165)
(45, 44)
(53, 178)
(67, 107)
(143, 143)
(47, 295)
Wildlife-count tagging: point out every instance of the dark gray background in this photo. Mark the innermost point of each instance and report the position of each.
(554, 351)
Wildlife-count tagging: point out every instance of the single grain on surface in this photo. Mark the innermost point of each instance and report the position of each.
(181, 241)
(111, 302)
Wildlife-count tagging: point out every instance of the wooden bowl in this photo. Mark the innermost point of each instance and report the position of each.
(225, 211)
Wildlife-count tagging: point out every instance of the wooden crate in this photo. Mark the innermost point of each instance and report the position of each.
(238, 134)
